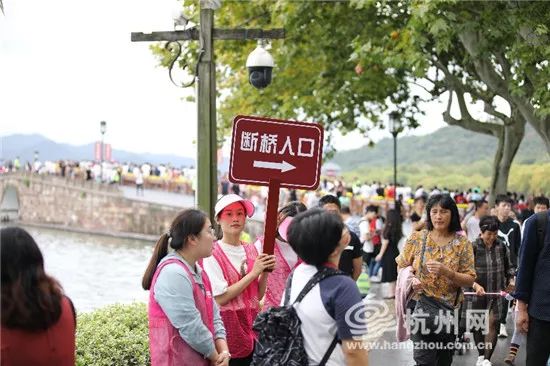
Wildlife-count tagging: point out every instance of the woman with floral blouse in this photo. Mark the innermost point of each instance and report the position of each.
(444, 266)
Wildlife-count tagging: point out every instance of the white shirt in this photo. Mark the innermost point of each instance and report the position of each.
(472, 227)
(337, 295)
(364, 228)
(236, 255)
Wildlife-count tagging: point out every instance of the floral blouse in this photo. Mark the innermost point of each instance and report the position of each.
(457, 255)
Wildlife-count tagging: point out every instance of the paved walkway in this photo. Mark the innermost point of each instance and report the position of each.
(157, 196)
(381, 325)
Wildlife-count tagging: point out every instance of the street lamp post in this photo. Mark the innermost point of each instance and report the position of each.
(103, 129)
(395, 128)
(205, 33)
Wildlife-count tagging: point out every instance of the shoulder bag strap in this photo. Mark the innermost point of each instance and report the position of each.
(424, 240)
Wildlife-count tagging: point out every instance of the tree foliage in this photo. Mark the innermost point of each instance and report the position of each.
(345, 64)
(315, 76)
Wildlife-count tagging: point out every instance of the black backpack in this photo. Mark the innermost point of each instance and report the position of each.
(280, 340)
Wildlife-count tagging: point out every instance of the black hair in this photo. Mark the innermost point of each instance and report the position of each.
(314, 235)
(372, 208)
(393, 230)
(292, 209)
(329, 198)
(478, 204)
(488, 223)
(188, 222)
(541, 200)
(444, 201)
(31, 300)
(503, 198)
(420, 198)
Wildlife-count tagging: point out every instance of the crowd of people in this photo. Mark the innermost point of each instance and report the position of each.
(356, 194)
(206, 291)
(146, 175)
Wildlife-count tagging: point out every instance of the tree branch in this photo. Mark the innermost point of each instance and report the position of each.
(423, 87)
(467, 121)
(505, 64)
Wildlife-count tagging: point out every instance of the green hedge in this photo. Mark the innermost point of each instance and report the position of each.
(115, 335)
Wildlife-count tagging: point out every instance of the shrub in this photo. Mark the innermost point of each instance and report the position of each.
(114, 335)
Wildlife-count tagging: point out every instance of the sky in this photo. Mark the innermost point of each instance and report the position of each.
(66, 65)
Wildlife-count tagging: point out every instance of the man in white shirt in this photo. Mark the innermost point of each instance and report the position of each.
(471, 224)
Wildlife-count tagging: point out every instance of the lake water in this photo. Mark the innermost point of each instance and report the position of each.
(94, 270)
(97, 270)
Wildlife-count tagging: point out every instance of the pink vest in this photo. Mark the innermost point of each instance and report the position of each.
(165, 343)
(238, 314)
(276, 280)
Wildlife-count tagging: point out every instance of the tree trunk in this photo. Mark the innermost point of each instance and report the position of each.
(508, 145)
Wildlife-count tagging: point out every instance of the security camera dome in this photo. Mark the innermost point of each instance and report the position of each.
(260, 65)
(260, 57)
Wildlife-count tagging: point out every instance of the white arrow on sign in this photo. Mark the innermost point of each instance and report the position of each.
(284, 166)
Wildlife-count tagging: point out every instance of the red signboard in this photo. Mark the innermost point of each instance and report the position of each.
(97, 151)
(108, 153)
(266, 148)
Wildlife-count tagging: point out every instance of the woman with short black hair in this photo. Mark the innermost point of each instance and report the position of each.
(319, 237)
(494, 273)
(443, 262)
(38, 320)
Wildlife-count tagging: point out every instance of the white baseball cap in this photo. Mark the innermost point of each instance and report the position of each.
(232, 198)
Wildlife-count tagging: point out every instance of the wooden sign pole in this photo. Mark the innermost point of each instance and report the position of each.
(270, 228)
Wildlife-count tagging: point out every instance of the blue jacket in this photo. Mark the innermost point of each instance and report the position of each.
(532, 283)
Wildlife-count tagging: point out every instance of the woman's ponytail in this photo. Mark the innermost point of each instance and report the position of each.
(161, 250)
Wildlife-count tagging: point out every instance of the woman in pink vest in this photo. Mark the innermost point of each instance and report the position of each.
(285, 257)
(185, 327)
(238, 278)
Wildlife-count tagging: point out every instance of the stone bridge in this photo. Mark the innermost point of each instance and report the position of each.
(85, 206)
(79, 205)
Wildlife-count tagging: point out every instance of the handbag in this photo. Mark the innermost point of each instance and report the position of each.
(432, 312)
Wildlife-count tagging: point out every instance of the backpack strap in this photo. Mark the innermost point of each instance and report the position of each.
(328, 353)
(322, 273)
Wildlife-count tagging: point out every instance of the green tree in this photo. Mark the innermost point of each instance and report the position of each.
(345, 64)
(314, 78)
(478, 51)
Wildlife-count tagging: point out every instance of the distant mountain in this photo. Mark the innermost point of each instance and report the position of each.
(24, 146)
(447, 146)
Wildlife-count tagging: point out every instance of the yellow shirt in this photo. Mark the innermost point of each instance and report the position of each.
(457, 255)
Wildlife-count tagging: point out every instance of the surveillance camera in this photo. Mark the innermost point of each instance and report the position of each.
(260, 64)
